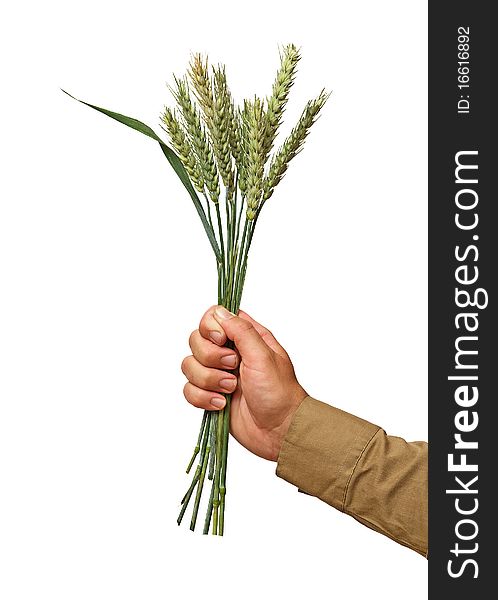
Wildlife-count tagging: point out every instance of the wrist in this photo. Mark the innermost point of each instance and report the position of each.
(278, 434)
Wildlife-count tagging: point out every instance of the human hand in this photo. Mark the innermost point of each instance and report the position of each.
(265, 391)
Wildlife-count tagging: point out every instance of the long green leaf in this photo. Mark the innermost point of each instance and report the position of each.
(173, 160)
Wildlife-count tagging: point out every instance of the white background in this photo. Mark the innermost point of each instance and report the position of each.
(105, 270)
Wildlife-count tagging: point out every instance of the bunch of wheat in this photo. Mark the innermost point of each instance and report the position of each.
(225, 153)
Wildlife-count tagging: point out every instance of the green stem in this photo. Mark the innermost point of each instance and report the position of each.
(198, 445)
(219, 267)
(229, 219)
(235, 201)
(215, 428)
(213, 453)
(186, 499)
(231, 275)
(233, 219)
(234, 241)
(188, 493)
(239, 217)
(208, 205)
(242, 279)
(205, 456)
(216, 485)
(222, 242)
(224, 456)
(209, 512)
(240, 262)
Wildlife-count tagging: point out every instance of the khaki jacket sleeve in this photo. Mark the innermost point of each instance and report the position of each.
(351, 464)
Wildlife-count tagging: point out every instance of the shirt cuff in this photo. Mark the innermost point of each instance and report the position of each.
(321, 449)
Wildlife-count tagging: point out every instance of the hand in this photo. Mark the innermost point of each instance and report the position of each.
(266, 393)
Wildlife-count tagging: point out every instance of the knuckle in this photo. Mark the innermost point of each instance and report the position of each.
(192, 338)
(184, 365)
(204, 380)
(206, 315)
(243, 325)
(190, 394)
(210, 356)
(186, 392)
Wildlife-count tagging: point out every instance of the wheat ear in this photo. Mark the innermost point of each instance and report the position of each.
(254, 140)
(198, 138)
(276, 103)
(183, 147)
(293, 144)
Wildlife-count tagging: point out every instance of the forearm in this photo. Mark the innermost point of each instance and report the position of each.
(355, 467)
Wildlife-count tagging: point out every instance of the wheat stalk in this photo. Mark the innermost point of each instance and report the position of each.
(216, 138)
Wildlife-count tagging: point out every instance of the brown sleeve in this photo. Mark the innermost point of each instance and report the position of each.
(351, 464)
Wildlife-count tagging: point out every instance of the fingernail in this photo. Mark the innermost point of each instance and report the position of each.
(217, 402)
(229, 361)
(222, 313)
(228, 384)
(216, 337)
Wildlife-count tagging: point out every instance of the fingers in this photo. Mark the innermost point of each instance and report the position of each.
(251, 338)
(203, 398)
(210, 329)
(206, 378)
(211, 355)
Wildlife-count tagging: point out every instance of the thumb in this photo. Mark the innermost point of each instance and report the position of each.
(249, 343)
